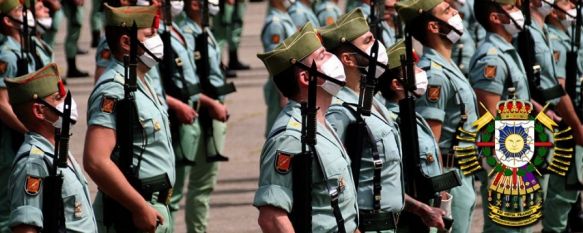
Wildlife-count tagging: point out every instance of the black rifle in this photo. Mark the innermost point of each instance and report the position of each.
(572, 65)
(126, 117)
(398, 27)
(417, 184)
(53, 207)
(25, 42)
(203, 70)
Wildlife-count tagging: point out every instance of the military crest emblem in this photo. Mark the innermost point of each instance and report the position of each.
(516, 148)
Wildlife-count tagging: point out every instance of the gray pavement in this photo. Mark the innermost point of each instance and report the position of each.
(231, 209)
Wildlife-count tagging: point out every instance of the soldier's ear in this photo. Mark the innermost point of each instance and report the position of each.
(348, 60)
(433, 27)
(124, 43)
(38, 111)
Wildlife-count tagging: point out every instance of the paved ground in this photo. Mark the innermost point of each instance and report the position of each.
(231, 209)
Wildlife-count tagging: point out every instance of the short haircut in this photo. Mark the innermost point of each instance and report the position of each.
(385, 82)
(482, 11)
(287, 83)
(418, 27)
(112, 35)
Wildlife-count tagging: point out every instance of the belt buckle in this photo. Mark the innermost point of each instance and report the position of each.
(378, 164)
(334, 194)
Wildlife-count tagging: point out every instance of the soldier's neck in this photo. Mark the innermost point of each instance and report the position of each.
(353, 80)
(16, 36)
(557, 24)
(197, 18)
(537, 18)
(442, 47)
(323, 102)
(503, 33)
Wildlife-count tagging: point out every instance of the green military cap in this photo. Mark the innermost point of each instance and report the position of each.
(298, 46)
(410, 9)
(347, 28)
(39, 84)
(394, 53)
(125, 16)
(8, 5)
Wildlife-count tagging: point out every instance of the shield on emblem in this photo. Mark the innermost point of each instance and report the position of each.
(514, 142)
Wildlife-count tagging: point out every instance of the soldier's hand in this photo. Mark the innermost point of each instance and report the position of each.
(432, 217)
(147, 219)
(185, 113)
(219, 112)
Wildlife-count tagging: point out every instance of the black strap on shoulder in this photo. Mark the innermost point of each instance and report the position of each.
(101, 83)
(354, 146)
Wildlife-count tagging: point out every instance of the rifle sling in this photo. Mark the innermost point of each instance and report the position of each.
(377, 162)
(373, 221)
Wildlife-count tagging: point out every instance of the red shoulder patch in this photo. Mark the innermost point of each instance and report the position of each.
(275, 39)
(108, 104)
(32, 185)
(433, 93)
(283, 162)
(329, 20)
(105, 54)
(3, 67)
(490, 72)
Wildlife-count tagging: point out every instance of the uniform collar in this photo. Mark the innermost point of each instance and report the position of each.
(40, 142)
(117, 66)
(393, 107)
(434, 56)
(499, 42)
(189, 23)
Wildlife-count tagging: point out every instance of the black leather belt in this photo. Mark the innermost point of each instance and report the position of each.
(376, 221)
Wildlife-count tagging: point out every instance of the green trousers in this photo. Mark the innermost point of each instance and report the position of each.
(202, 178)
(74, 16)
(227, 27)
(96, 18)
(167, 227)
(462, 205)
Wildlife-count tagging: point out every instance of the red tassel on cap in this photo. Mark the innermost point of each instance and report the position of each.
(61, 87)
(156, 23)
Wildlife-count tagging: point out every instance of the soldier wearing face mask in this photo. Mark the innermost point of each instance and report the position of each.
(391, 25)
(11, 129)
(38, 101)
(449, 103)
(350, 39)
(331, 165)
(203, 175)
(301, 13)
(327, 11)
(153, 155)
(277, 27)
(464, 49)
(43, 22)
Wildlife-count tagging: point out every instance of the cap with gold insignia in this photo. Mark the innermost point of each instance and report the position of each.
(125, 16)
(347, 28)
(298, 46)
(410, 9)
(8, 5)
(39, 84)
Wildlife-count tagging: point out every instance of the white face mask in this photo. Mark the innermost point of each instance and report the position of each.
(156, 47)
(213, 7)
(568, 20)
(333, 68)
(288, 3)
(29, 19)
(59, 122)
(457, 23)
(143, 3)
(511, 26)
(381, 58)
(421, 83)
(44, 24)
(176, 8)
(545, 9)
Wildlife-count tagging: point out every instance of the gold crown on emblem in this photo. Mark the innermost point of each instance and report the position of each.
(514, 109)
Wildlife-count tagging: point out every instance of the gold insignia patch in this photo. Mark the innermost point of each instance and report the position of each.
(341, 184)
(557, 55)
(433, 93)
(108, 104)
(490, 72)
(329, 20)
(283, 162)
(275, 39)
(105, 54)
(3, 67)
(32, 185)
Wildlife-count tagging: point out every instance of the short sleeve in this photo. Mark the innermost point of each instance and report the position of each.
(103, 103)
(338, 118)
(275, 186)
(432, 105)
(489, 74)
(26, 192)
(273, 35)
(8, 67)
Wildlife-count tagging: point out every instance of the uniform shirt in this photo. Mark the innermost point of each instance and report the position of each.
(330, 170)
(447, 87)
(428, 147)
(327, 12)
(157, 153)
(44, 51)
(26, 190)
(302, 14)
(191, 31)
(471, 24)
(387, 140)
(388, 34)
(466, 47)
(9, 55)
(103, 58)
(495, 61)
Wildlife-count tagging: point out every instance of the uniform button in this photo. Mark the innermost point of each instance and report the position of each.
(430, 158)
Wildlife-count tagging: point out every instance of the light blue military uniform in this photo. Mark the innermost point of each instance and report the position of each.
(50, 35)
(202, 176)
(388, 34)
(466, 47)
(333, 171)
(31, 164)
(185, 146)
(327, 12)
(44, 51)
(388, 143)
(471, 24)
(9, 54)
(447, 87)
(495, 66)
(278, 26)
(558, 200)
(302, 14)
(157, 155)
(351, 5)
(103, 58)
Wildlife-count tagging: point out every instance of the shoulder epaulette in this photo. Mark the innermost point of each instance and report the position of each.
(435, 65)
(492, 51)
